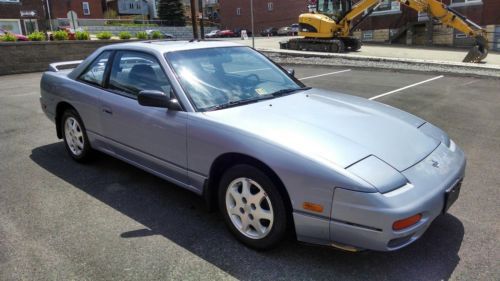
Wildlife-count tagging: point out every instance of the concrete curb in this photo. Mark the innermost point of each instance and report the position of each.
(349, 60)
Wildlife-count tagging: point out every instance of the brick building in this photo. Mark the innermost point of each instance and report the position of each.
(22, 17)
(267, 13)
(26, 16)
(90, 9)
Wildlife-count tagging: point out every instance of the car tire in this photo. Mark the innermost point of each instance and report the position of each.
(252, 207)
(75, 136)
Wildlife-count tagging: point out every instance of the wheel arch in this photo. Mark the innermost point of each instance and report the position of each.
(60, 109)
(227, 160)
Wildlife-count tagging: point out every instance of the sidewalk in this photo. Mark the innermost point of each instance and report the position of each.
(389, 51)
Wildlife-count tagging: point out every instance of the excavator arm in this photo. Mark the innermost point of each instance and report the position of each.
(437, 10)
(452, 18)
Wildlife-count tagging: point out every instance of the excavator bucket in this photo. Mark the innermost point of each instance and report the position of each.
(478, 52)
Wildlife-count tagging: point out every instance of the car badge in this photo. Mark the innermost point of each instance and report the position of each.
(435, 163)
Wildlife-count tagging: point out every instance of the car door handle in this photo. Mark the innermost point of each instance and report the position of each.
(107, 110)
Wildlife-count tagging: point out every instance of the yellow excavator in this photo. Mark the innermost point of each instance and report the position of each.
(329, 27)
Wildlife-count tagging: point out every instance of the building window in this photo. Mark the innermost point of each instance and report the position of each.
(86, 8)
(388, 7)
(238, 11)
(131, 5)
(367, 35)
(465, 2)
(270, 6)
(138, 6)
(12, 25)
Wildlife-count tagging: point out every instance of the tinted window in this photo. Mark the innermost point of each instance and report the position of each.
(133, 72)
(95, 72)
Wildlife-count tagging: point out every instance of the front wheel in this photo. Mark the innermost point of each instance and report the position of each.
(75, 137)
(253, 207)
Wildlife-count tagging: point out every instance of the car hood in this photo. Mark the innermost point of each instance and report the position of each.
(333, 127)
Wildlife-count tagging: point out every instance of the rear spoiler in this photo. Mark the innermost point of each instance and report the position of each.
(56, 65)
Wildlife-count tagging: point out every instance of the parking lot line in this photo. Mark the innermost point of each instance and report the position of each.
(324, 74)
(20, 95)
(406, 87)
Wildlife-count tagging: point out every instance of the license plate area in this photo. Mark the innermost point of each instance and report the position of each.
(451, 195)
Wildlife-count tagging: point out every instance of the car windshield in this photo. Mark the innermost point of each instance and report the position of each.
(216, 78)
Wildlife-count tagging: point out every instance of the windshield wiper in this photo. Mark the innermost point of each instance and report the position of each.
(288, 91)
(273, 95)
(239, 102)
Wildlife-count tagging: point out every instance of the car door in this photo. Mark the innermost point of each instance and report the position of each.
(150, 137)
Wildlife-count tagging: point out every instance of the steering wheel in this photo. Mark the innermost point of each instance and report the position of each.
(251, 80)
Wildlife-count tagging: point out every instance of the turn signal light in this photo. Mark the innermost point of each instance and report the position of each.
(404, 223)
(312, 207)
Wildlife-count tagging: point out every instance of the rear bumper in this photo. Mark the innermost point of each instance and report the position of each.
(364, 220)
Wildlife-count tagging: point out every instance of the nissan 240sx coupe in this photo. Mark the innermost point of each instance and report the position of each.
(275, 156)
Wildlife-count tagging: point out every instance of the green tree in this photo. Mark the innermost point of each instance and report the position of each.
(171, 11)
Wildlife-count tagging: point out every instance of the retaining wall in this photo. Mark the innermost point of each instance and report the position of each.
(24, 57)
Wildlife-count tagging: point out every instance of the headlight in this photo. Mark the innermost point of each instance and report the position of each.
(379, 174)
(436, 133)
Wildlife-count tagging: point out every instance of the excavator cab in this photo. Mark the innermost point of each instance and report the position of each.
(336, 9)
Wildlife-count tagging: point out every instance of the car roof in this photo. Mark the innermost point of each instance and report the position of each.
(172, 45)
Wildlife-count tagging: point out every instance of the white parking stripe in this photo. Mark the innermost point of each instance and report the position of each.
(20, 95)
(406, 87)
(325, 74)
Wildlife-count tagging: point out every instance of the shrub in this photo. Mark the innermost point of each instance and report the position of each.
(8, 37)
(82, 35)
(60, 35)
(141, 35)
(124, 35)
(37, 36)
(156, 34)
(105, 35)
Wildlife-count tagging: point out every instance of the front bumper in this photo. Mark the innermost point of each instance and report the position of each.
(364, 220)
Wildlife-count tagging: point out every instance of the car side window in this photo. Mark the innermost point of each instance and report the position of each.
(95, 72)
(133, 72)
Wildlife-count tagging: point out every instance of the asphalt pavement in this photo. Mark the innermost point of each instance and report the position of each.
(107, 220)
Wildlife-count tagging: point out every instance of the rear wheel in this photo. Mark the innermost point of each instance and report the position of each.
(75, 136)
(252, 207)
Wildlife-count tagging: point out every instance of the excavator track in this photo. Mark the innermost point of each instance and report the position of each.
(334, 45)
(314, 45)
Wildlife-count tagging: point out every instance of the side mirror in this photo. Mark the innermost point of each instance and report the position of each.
(291, 71)
(157, 99)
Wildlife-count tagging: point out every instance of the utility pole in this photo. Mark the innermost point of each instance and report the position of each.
(48, 13)
(202, 29)
(193, 19)
(251, 15)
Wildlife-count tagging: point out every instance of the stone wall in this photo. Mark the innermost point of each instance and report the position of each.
(24, 57)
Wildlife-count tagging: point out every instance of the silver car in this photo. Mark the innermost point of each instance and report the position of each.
(273, 155)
